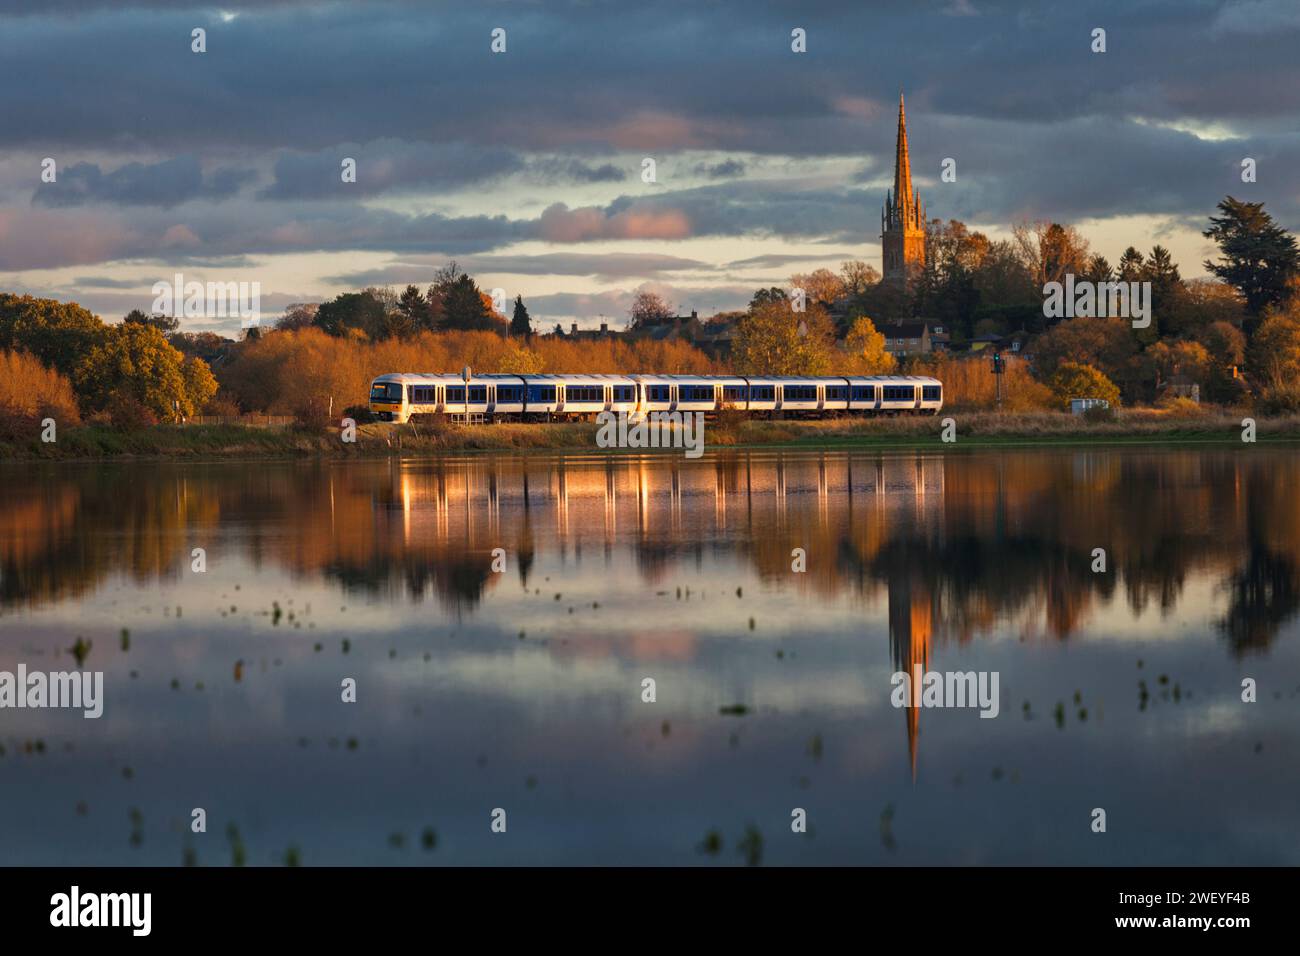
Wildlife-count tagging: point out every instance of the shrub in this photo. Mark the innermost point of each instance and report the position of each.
(222, 406)
(28, 387)
(1098, 415)
(126, 413)
(1078, 380)
(360, 414)
(17, 424)
(1279, 397)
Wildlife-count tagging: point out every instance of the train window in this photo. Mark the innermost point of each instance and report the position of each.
(696, 393)
(800, 393)
(837, 393)
(657, 393)
(385, 392)
(931, 393)
(455, 394)
(541, 393)
(421, 395)
(733, 393)
(510, 394)
(478, 394)
(584, 393)
(624, 393)
(864, 393)
(899, 393)
(762, 393)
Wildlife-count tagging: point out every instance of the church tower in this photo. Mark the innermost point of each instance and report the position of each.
(902, 221)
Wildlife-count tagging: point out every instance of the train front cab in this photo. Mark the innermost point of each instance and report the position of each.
(388, 400)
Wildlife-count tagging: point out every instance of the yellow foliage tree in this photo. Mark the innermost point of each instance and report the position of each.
(866, 349)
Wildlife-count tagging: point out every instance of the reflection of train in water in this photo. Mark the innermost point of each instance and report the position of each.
(401, 396)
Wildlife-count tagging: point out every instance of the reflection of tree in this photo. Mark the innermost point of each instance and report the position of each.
(992, 538)
(1263, 596)
(1264, 592)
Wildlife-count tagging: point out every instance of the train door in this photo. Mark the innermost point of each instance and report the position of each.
(491, 399)
(559, 397)
(821, 398)
(672, 398)
(439, 399)
(609, 397)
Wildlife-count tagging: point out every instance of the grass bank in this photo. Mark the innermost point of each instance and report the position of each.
(973, 429)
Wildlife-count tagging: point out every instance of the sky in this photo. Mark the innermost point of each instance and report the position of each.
(526, 166)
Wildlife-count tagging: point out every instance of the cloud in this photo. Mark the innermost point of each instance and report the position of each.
(603, 267)
(727, 169)
(559, 223)
(166, 183)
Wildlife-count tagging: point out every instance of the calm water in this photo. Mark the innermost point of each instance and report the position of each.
(522, 690)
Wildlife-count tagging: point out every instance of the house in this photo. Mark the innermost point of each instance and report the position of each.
(907, 338)
(585, 334)
(1014, 344)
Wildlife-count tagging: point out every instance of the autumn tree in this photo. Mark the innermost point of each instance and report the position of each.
(774, 339)
(58, 334)
(866, 349)
(297, 316)
(163, 323)
(821, 286)
(1080, 380)
(1051, 251)
(133, 363)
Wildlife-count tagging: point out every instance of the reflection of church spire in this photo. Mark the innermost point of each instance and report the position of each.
(911, 623)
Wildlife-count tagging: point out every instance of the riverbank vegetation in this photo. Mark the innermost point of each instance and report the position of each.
(1187, 424)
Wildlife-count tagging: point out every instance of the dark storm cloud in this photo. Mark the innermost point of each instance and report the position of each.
(628, 75)
(165, 183)
(723, 170)
(1038, 125)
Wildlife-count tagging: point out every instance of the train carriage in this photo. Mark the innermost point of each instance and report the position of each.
(401, 396)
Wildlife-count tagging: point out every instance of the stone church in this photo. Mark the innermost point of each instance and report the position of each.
(902, 220)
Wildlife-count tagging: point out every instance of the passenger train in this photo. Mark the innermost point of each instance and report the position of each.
(403, 396)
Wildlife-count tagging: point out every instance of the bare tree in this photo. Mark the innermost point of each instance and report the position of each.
(649, 308)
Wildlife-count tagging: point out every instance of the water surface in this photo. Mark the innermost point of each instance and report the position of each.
(522, 690)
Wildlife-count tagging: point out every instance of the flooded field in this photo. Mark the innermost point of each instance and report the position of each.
(501, 615)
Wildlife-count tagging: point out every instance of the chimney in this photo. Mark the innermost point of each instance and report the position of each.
(575, 328)
(604, 328)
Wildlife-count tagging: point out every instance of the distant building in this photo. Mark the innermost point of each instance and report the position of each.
(907, 338)
(585, 334)
(1080, 405)
(902, 221)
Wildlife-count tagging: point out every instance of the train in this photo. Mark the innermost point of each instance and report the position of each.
(403, 396)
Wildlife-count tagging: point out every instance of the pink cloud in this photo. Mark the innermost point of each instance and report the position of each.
(559, 223)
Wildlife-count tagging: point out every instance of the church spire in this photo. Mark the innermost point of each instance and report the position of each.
(903, 234)
(903, 193)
